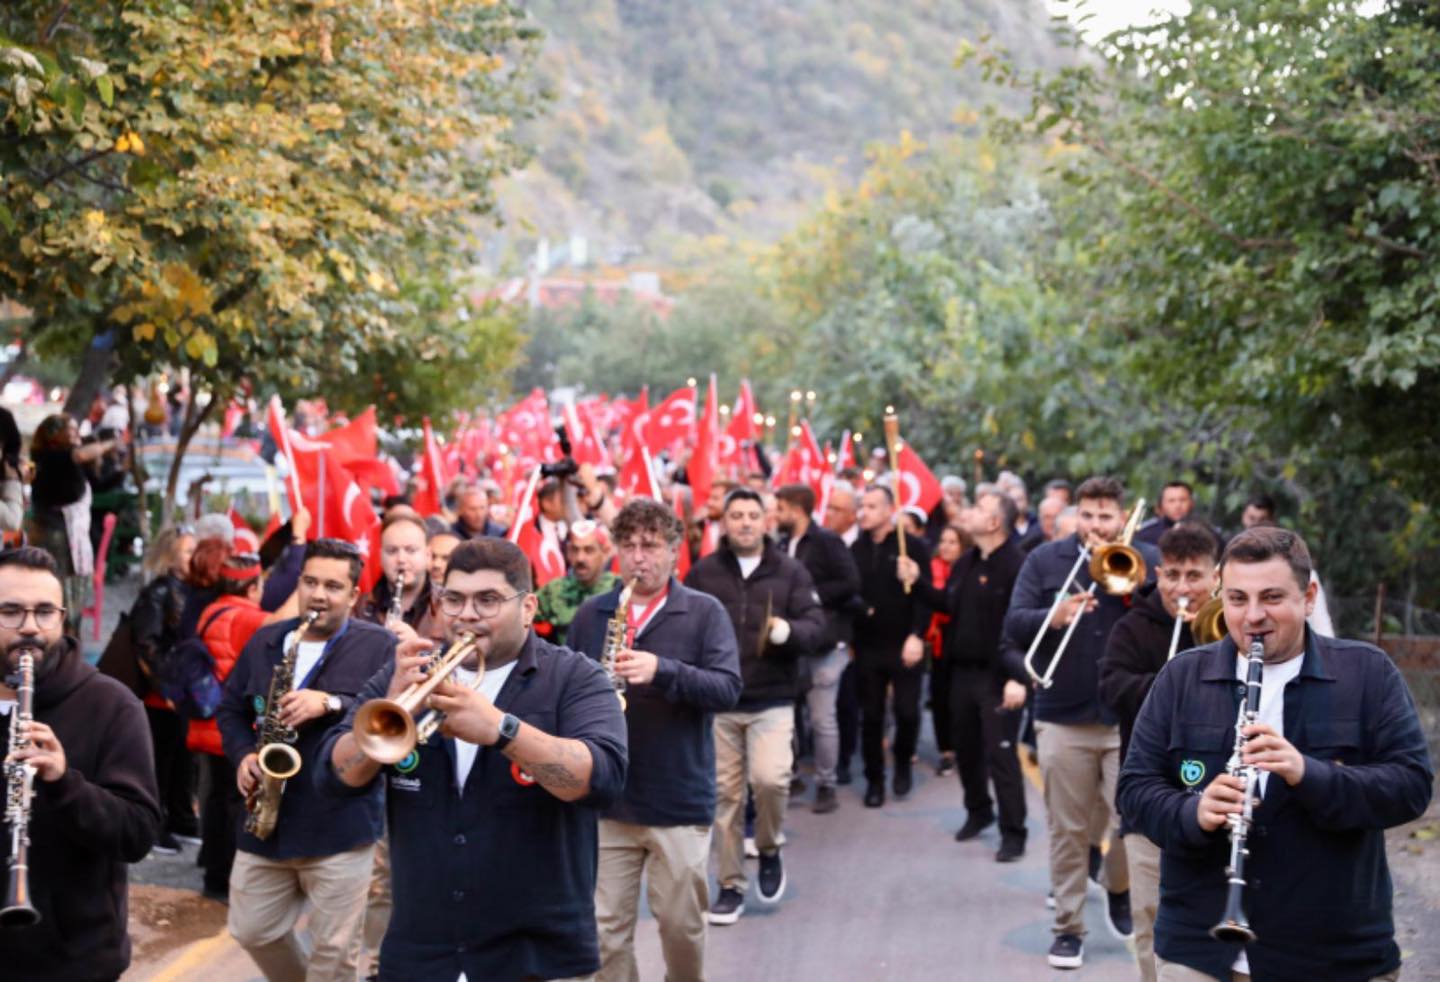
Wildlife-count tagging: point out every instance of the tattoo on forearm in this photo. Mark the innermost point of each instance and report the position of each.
(565, 772)
(348, 766)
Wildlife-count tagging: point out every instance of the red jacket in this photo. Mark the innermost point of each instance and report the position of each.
(226, 636)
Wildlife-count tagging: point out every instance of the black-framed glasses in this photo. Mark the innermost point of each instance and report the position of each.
(47, 616)
(487, 605)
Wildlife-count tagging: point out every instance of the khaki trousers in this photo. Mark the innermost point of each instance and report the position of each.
(673, 860)
(1080, 765)
(1143, 857)
(754, 748)
(378, 904)
(1171, 972)
(267, 897)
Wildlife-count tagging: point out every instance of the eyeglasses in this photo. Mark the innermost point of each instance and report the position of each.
(486, 604)
(47, 616)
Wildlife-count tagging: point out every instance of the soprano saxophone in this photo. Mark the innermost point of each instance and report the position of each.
(615, 640)
(279, 760)
(397, 602)
(19, 793)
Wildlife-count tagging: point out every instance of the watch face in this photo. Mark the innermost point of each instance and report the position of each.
(509, 726)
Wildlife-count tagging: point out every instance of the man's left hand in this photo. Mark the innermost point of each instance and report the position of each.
(913, 651)
(636, 667)
(469, 716)
(301, 706)
(44, 753)
(1269, 751)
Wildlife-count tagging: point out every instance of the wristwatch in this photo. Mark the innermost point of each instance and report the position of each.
(333, 703)
(509, 727)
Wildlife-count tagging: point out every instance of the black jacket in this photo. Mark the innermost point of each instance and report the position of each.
(837, 580)
(781, 586)
(1319, 890)
(155, 618)
(375, 605)
(1134, 655)
(497, 879)
(981, 615)
(1074, 695)
(310, 824)
(84, 828)
(672, 749)
(889, 615)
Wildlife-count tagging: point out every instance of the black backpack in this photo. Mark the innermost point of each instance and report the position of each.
(185, 674)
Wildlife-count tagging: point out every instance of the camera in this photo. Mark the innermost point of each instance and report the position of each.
(564, 467)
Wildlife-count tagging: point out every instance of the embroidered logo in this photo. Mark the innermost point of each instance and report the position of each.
(409, 762)
(1192, 772)
(399, 783)
(521, 778)
(259, 703)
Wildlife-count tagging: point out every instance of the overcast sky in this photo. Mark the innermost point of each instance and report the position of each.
(1110, 15)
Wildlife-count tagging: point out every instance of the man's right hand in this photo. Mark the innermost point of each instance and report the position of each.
(907, 571)
(248, 775)
(411, 657)
(1223, 797)
(300, 524)
(1071, 608)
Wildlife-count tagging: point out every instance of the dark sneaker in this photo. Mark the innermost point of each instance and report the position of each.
(218, 894)
(1097, 863)
(874, 795)
(1068, 951)
(947, 765)
(165, 845)
(903, 781)
(1012, 847)
(727, 907)
(771, 885)
(842, 775)
(797, 785)
(1117, 915)
(825, 801)
(974, 825)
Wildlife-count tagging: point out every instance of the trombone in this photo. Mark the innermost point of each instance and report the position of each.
(1117, 567)
(386, 730)
(1209, 623)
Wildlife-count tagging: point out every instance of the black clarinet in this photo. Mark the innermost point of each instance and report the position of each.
(1233, 927)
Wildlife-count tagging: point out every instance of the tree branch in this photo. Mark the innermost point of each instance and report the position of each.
(73, 165)
(54, 24)
(1388, 244)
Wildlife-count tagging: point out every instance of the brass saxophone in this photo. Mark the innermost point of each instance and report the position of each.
(19, 793)
(615, 640)
(279, 760)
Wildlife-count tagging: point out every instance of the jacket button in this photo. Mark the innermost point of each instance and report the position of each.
(460, 840)
(457, 896)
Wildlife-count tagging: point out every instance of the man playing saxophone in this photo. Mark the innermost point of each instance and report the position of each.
(492, 821)
(1340, 756)
(94, 806)
(320, 849)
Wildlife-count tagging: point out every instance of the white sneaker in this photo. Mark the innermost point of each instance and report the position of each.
(752, 851)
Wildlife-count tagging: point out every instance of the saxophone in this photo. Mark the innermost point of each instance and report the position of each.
(397, 601)
(615, 640)
(19, 792)
(279, 760)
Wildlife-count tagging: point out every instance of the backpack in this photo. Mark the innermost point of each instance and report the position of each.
(186, 674)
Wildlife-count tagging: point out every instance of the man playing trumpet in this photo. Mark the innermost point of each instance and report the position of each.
(492, 821)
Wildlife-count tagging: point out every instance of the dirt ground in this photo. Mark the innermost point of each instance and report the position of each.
(1414, 852)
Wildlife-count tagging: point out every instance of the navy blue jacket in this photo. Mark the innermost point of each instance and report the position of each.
(497, 880)
(1318, 887)
(672, 749)
(1074, 695)
(310, 824)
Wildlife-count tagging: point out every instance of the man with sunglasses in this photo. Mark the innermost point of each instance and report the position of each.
(95, 807)
(321, 850)
(492, 821)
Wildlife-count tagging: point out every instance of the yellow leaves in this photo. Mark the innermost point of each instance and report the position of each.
(985, 161)
(343, 265)
(41, 200)
(375, 280)
(191, 292)
(324, 116)
(131, 143)
(94, 218)
(144, 332)
(908, 146)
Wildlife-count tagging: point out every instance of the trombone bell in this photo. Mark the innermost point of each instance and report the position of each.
(1209, 623)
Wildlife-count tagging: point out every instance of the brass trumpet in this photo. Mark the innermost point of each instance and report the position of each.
(386, 730)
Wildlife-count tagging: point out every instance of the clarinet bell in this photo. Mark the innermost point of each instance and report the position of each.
(1233, 928)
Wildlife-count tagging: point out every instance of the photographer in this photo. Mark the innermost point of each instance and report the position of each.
(585, 494)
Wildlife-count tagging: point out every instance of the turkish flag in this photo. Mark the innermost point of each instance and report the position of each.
(682, 553)
(740, 434)
(704, 464)
(357, 448)
(525, 427)
(914, 484)
(622, 411)
(585, 444)
(430, 481)
(804, 462)
(338, 506)
(547, 560)
(846, 457)
(672, 421)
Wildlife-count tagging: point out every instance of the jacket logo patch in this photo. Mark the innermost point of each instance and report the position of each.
(399, 783)
(409, 763)
(259, 704)
(521, 778)
(1192, 772)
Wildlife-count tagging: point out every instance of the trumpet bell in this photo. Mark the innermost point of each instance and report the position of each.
(1209, 623)
(279, 761)
(385, 731)
(1118, 568)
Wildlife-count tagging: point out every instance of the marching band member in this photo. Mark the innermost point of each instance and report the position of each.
(320, 850)
(492, 821)
(404, 550)
(95, 807)
(680, 666)
(1339, 756)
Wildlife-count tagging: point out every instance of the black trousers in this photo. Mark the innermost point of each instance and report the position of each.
(940, 715)
(876, 678)
(847, 713)
(174, 769)
(985, 737)
(220, 823)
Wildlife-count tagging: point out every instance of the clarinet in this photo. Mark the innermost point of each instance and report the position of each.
(615, 640)
(397, 602)
(1234, 928)
(19, 794)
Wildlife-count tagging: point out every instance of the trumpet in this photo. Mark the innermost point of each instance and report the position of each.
(386, 730)
(1118, 567)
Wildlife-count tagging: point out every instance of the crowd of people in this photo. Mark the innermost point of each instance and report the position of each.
(644, 718)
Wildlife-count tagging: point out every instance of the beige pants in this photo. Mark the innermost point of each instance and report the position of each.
(378, 904)
(267, 897)
(1171, 972)
(1079, 765)
(751, 748)
(1144, 859)
(673, 859)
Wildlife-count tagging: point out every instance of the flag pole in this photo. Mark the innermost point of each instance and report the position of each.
(520, 512)
(892, 446)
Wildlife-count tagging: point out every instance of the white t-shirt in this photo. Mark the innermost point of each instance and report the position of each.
(306, 658)
(748, 565)
(1272, 712)
(490, 688)
(5, 706)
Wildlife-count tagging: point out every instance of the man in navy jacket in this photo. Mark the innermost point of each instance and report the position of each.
(681, 666)
(1341, 758)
